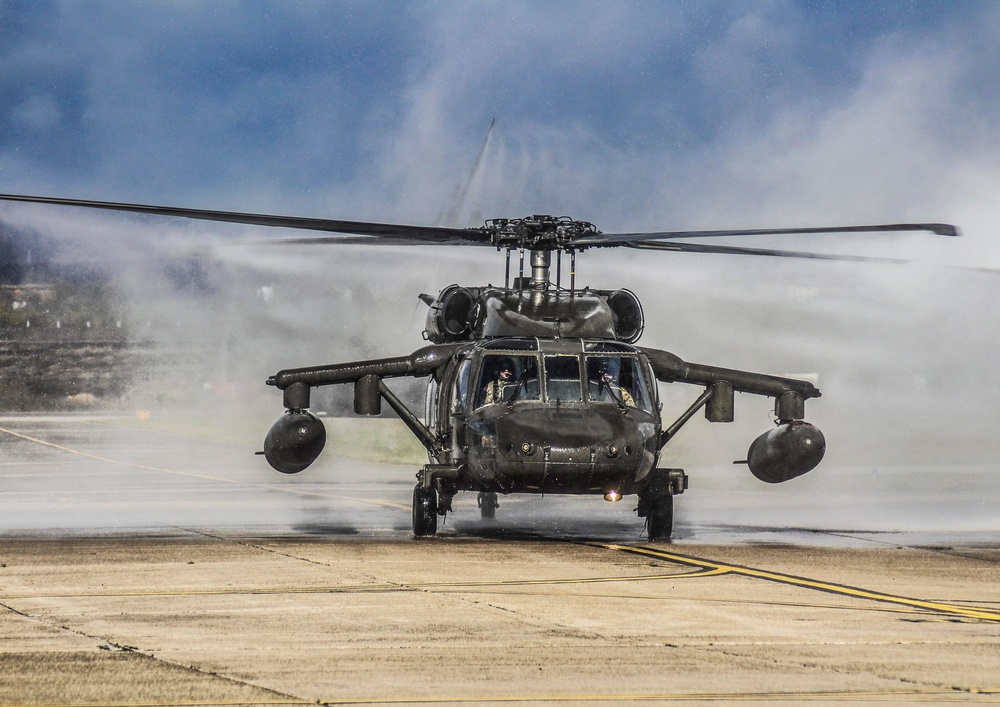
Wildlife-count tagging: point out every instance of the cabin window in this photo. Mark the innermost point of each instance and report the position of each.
(619, 380)
(431, 403)
(507, 378)
(562, 379)
(460, 394)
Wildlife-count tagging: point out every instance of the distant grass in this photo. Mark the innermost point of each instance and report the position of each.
(377, 440)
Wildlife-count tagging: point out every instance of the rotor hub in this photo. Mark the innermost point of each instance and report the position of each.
(539, 232)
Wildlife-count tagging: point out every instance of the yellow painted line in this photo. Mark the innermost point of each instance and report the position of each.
(204, 477)
(969, 612)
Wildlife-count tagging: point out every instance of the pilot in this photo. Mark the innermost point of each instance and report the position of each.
(505, 378)
(608, 373)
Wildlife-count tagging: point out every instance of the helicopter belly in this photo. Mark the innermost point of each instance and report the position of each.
(553, 449)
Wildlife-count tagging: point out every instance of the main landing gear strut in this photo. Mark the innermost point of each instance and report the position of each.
(425, 511)
(656, 501)
(432, 497)
(659, 514)
(427, 508)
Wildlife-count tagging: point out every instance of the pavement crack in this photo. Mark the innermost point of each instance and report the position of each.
(253, 546)
(105, 644)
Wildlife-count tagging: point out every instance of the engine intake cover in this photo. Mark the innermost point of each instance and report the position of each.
(629, 319)
(452, 315)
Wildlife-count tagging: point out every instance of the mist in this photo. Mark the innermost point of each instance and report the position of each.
(646, 117)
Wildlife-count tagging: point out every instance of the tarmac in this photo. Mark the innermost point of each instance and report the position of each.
(140, 565)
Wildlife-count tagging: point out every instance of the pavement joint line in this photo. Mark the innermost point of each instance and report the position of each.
(149, 655)
(834, 695)
(108, 644)
(204, 477)
(171, 703)
(825, 695)
(968, 612)
(375, 587)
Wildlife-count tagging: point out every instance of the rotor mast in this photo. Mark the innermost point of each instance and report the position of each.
(540, 262)
(541, 235)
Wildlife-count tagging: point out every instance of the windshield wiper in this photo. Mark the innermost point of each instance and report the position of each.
(517, 391)
(615, 395)
(522, 379)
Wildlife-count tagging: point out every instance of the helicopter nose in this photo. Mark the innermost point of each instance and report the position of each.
(584, 440)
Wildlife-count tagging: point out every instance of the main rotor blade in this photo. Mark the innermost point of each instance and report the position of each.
(616, 239)
(736, 250)
(353, 240)
(399, 234)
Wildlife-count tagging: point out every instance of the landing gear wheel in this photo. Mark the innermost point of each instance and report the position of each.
(487, 505)
(660, 518)
(425, 515)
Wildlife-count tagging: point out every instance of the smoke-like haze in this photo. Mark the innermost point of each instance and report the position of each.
(639, 116)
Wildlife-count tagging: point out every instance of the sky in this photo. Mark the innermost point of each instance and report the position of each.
(625, 112)
(632, 115)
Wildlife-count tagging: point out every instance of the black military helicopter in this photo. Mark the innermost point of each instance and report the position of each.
(537, 387)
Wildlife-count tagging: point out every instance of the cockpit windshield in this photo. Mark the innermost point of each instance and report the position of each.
(562, 379)
(507, 378)
(598, 378)
(617, 379)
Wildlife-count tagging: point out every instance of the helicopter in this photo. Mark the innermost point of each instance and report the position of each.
(537, 386)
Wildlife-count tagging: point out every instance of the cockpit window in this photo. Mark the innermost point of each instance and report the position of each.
(617, 379)
(506, 378)
(562, 379)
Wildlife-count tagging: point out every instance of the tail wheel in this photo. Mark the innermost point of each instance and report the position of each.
(488, 505)
(660, 518)
(424, 511)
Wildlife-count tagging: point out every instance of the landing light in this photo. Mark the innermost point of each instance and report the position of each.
(613, 496)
